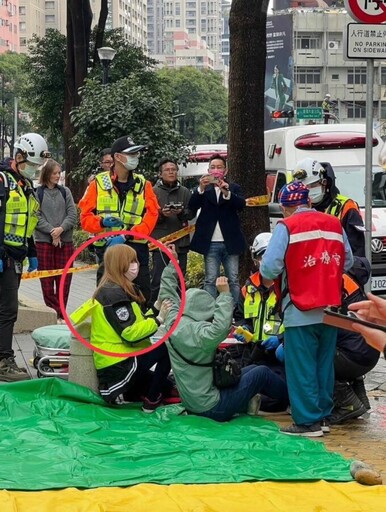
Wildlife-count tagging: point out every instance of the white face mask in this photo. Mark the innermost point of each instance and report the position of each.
(132, 273)
(316, 194)
(131, 162)
(29, 171)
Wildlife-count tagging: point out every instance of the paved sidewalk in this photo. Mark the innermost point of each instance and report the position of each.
(364, 439)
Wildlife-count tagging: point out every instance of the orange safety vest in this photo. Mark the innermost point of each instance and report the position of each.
(314, 260)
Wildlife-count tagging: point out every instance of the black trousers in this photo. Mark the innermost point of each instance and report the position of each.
(347, 370)
(9, 286)
(143, 278)
(160, 261)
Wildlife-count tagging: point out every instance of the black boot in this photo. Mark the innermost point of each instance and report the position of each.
(358, 386)
(346, 404)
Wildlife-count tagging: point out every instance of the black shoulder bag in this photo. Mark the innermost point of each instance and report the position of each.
(226, 370)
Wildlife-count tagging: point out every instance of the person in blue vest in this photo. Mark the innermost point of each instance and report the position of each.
(18, 218)
(308, 252)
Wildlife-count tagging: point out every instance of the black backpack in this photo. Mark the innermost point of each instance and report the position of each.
(40, 192)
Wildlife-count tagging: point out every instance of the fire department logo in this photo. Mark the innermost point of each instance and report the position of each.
(376, 246)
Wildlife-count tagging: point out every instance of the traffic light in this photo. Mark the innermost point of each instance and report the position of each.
(279, 114)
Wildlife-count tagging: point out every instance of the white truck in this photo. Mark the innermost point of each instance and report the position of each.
(343, 146)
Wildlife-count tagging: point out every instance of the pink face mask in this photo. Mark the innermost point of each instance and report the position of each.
(132, 273)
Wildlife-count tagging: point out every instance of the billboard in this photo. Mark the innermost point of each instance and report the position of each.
(279, 70)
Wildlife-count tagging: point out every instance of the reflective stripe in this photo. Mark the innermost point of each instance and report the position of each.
(118, 385)
(314, 235)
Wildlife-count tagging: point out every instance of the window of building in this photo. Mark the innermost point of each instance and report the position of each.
(383, 110)
(178, 9)
(356, 110)
(383, 76)
(307, 75)
(190, 14)
(356, 75)
(191, 5)
(22, 26)
(178, 23)
(308, 42)
(203, 25)
(203, 7)
(334, 77)
(50, 5)
(22, 10)
(50, 18)
(23, 41)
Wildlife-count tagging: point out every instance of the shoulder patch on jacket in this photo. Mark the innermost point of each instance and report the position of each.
(122, 313)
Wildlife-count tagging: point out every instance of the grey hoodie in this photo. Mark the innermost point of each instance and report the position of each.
(205, 323)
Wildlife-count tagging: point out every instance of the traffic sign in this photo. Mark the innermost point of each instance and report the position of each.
(309, 113)
(364, 41)
(367, 11)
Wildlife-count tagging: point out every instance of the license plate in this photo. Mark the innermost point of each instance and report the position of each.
(378, 283)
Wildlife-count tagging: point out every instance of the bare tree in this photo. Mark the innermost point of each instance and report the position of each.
(247, 24)
(79, 18)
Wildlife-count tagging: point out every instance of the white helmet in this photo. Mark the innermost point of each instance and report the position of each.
(33, 148)
(260, 244)
(308, 171)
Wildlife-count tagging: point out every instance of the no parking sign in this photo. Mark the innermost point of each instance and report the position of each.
(367, 11)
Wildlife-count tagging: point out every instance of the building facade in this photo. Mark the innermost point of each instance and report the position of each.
(202, 19)
(36, 16)
(319, 67)
(9, 26)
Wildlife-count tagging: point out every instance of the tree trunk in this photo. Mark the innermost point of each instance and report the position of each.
(247, 26)
(100, 31)
(79, 18)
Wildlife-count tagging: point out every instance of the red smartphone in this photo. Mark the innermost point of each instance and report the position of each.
(336, 319)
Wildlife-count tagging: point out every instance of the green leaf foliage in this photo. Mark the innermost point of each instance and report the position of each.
(125, 107)
(202, 97)
(45, 84)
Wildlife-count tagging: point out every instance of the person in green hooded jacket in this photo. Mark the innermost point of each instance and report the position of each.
(205, 323)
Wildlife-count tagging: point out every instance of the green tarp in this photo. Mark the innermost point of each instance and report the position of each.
(56, 434)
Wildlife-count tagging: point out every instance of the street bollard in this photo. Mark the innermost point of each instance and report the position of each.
(81, 366)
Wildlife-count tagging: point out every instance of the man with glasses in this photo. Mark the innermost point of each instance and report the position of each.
(173, 199)
(218, 234)
(122, 201)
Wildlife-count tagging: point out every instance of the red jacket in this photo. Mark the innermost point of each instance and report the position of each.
(314, 260)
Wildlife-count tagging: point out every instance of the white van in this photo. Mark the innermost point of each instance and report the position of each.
(343, 146)
(198, 162)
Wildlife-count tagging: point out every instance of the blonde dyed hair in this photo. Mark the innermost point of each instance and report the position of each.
(47, 169)
(117, 260)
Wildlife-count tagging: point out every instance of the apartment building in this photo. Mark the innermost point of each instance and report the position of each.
(36, 16)
(9, 26)
(198, 18)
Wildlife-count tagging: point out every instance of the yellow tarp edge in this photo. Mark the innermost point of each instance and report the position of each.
(262, 496)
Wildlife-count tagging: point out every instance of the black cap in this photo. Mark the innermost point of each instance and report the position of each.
(125, 145)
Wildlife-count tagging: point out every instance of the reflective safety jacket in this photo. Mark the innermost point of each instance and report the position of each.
(341, 205)
(139, 210)
(21, 214)
(260, 307)
(314, 260)
(117, 324)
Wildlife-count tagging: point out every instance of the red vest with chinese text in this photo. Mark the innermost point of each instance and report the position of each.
(314, 260)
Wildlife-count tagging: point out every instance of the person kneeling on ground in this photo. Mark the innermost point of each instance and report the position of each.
(118, 325)
(205, 323)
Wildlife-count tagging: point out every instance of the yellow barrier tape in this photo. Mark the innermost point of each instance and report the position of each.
(39, 274)
(258, 200)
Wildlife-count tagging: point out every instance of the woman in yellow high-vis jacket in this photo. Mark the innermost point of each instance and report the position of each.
(118, 325)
